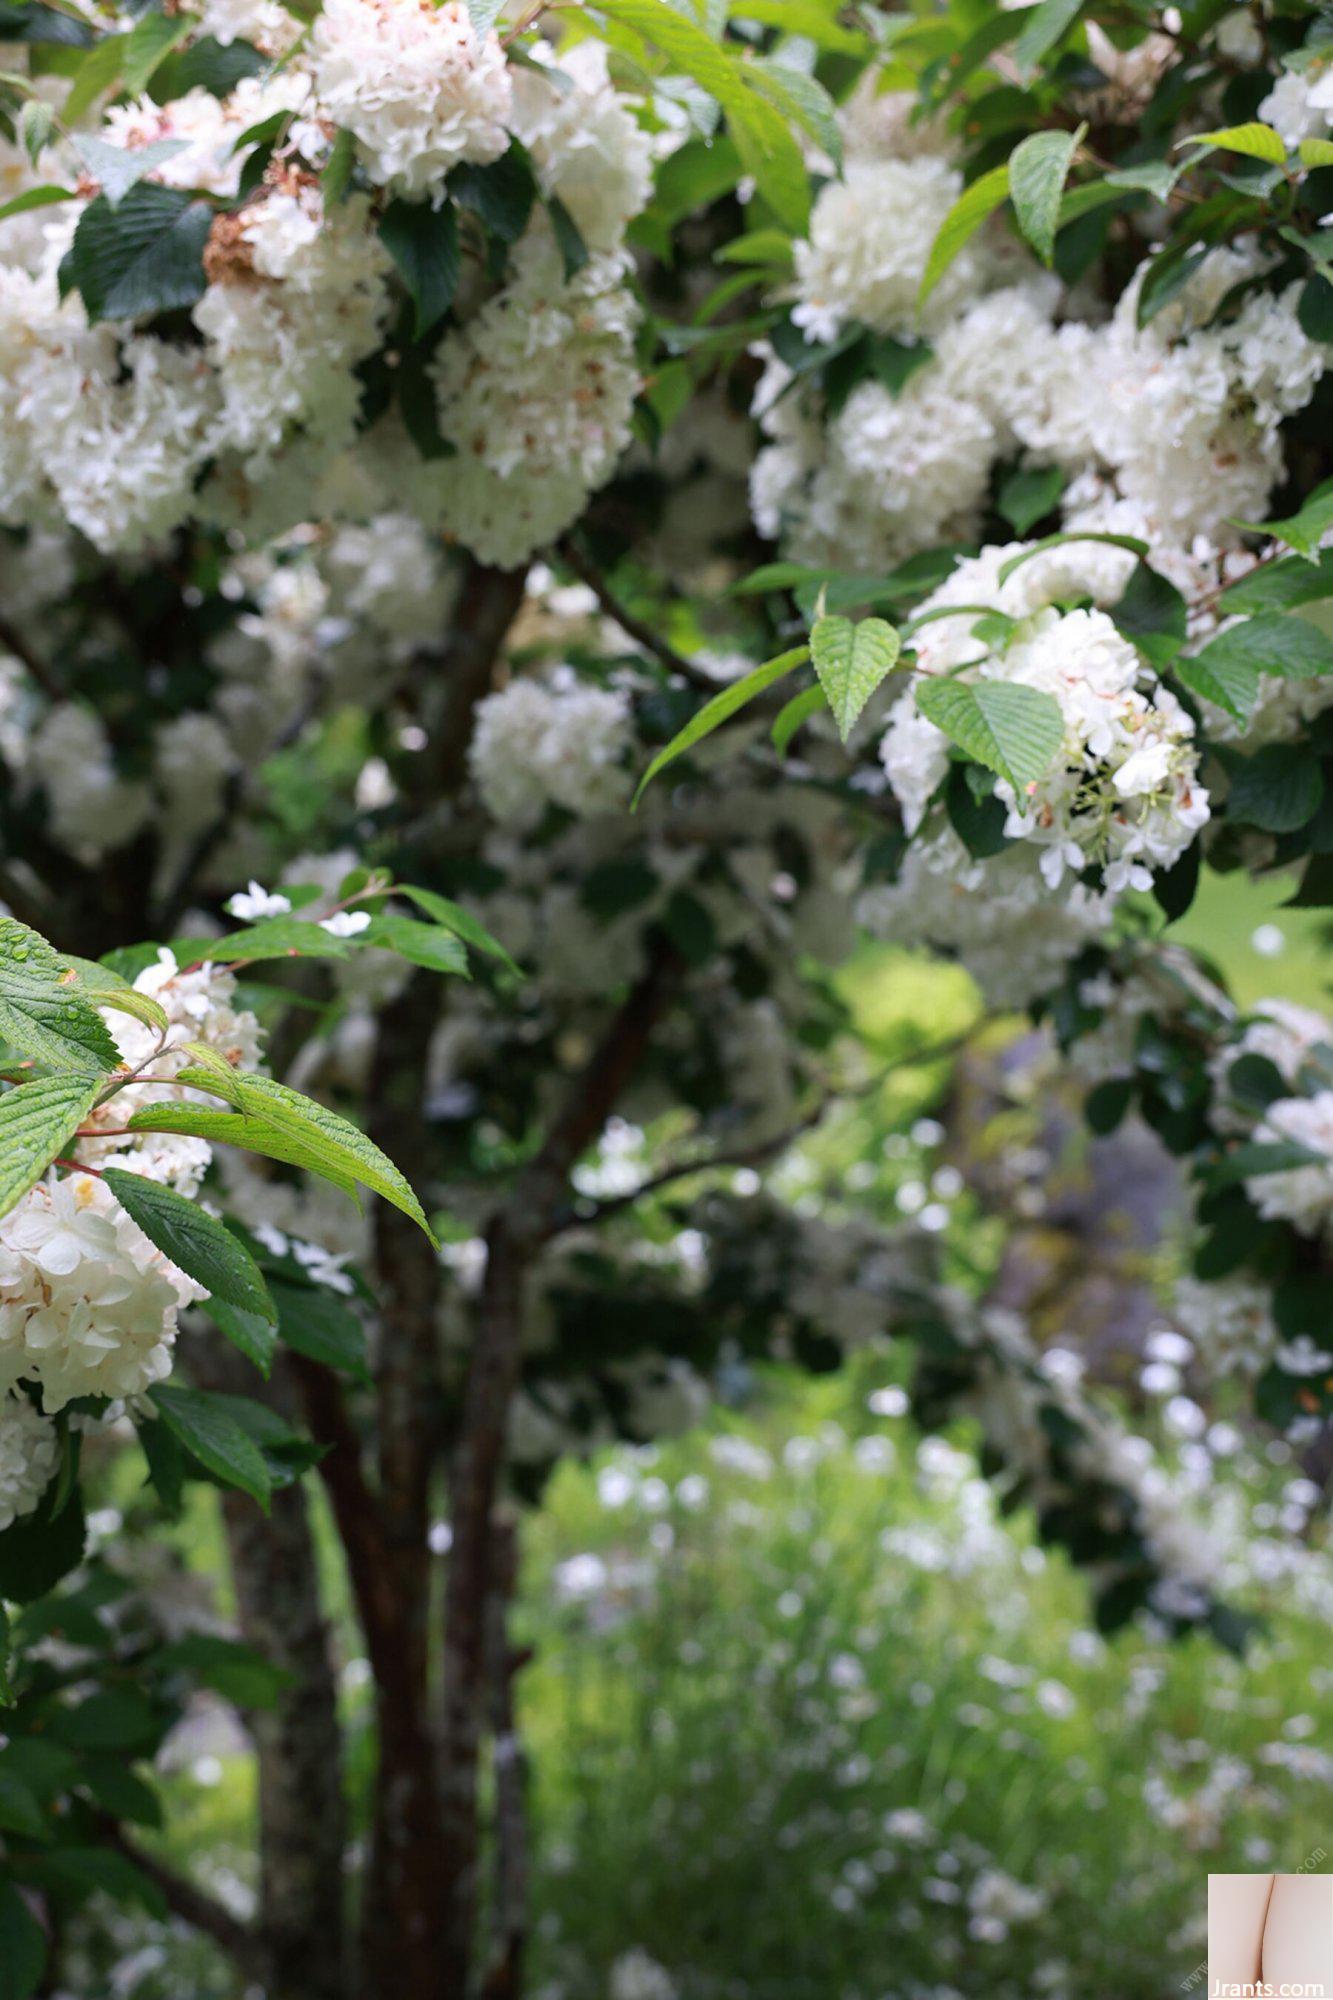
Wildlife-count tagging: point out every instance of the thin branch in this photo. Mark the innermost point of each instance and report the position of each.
(589, 1212)
(641, 633)
(181, 1896)
(14, 642)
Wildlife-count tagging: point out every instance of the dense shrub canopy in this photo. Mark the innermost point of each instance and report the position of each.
(587, 512)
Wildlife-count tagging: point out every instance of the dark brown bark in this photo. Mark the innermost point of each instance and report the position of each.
(514, 1239)
(508, 1924)
(301, 1924)
(405, 1892)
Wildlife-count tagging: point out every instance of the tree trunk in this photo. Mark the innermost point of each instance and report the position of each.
(302, 1814)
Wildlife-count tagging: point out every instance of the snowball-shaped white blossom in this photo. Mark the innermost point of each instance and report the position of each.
(555, 743)
(104, 434)
(29, 1455)
(588, 148)
(1300, 104)
(93, 809)
(297, 299)
(535, 394)
(976, 909)
(1301, 1195)
(1122, 791)
(198, 1004)
(415, 84)
(870, 235)
(87, 1305)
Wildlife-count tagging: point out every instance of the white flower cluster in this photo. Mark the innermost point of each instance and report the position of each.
(1182, 426)
(548, 742)
(29, 1454)
(198, 1004)
(1121, 799)
(87, 1305)
(125, 434)
(1298, 1042)
(415, 84)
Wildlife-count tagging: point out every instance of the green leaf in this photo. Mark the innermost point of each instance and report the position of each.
(1153, 614)
(320, 1325)
(1009, 728)
(1042, 28)
(37, 1120)
(105, 988)
(251, 1333)
(195, 1241)
(36, 122)
(1278, 789)
(152, 36)
(40, 1013)
(1290, 648)
(117, 169)
(765, 247)
(851, 661)
(458, 920)
(143, 257)
(720, 709)
(420, 944)
(38, 23)
(280, 1123)
(119, 1790)
(802, 99)
(1130, 542)
(962, 222)
(205, 64)
(272, 937)
(81, 1870)
(1281, 586)
(22, 1947)
(1027, 497)
(793, 713)
(1255, 141)
(1251, 1162)
(423, 242)
(36, 1551)
(569, 237)
(19, 1810)
(235, 1670)
(1303, 530)
(975, 814)
(98, 71)
(484, 14)
(1165, 276)
(212, 1435)
(501, 193)
(761, 134)
(1038, 168)
(1316, 152)
(1229, 684)
(336, 178)
(38, 197)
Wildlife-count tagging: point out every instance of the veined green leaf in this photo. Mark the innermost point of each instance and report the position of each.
(105, 988)
(964, 219)
(720, 709)
(793, 713)
(38, 197)
(1255, 141)
(453, 917)
(1230, 684)
(1304, 529)
(1290, 648)
(194, 1241)
(851, 661)
(37, 1120)
(211, 1434)
(1011, 729)
(1316, 152)
(1042, 28)
(41, 1012)
(272, 1119)
(1038, 168)
(800, 97)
